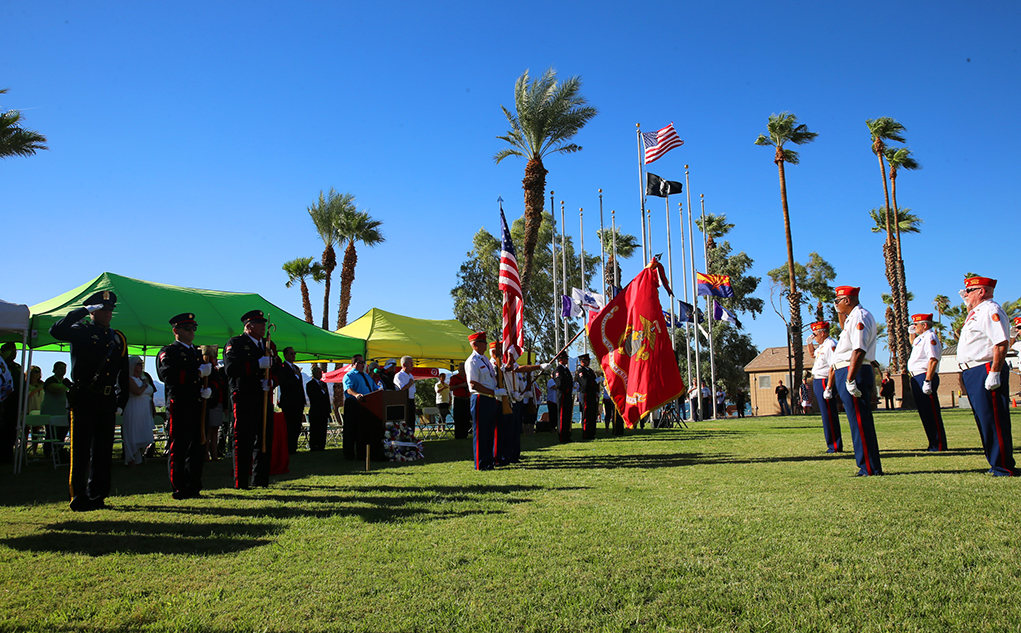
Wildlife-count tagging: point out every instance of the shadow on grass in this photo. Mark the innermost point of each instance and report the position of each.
(99, 538)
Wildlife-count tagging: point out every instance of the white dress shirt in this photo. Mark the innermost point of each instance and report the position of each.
(859, 333)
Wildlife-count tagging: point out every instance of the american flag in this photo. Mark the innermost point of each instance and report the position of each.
(660, 143)
(513, 302)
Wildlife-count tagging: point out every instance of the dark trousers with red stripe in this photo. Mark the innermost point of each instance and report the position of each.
(484, 413)
(830, 417)
(92, 426)
(859, 418)
(251, 465)
(589, 416)
(186, 453)
(928, 411)
(566, 411)
(992, 416)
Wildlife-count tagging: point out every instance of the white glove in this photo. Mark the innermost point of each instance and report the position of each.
(544, 366)
(499, 393)
(94, 307)
(827, 393)
(265, 384)
(992, 381)
(927, 388)
(265, 362)
(206, 392)
(120, 411)
(205, 369)
(852, 388)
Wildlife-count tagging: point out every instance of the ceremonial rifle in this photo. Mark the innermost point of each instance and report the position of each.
(270, 349)
(208, 350)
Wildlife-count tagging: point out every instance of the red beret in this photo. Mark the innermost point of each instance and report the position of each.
(971, 282)
(820, 325)
(847, 291)
(916, 318)
(477, 335)
(493, 344)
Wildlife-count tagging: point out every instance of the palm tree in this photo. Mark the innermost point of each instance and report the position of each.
(547, 115)
(352, 227)
(906, 222)
(297, 271)
(900, 158)
(781, 129)
(16, 140)
(325, 215)
(625, 245)
(942, 304)
(884, 129)
(713, 227)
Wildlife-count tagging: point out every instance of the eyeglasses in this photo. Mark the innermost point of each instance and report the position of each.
(971, 290)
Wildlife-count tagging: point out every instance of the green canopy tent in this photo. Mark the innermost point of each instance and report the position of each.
(431, 343)
(144, 308)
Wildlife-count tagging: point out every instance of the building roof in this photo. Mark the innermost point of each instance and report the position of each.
(775, 359)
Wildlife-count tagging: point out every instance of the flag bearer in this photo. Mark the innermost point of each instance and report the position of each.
(481, 376)
(821, 345)
(588, 398)
(926, 352)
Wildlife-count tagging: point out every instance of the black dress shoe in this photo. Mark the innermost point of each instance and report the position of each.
(82, 504)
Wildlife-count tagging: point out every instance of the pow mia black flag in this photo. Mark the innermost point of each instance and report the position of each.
(656, 186)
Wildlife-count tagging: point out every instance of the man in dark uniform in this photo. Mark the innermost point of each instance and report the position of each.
(292, 399)
(180, 367)
(461, 398)
(99, 369)
(246, 359)
(9, 410)
(318, 410)
(588, 398)
(565, 386)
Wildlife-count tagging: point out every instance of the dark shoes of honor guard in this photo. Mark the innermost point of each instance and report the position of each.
(84, 504)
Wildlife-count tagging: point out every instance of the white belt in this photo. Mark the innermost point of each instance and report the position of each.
(973, 365)
(841, 365)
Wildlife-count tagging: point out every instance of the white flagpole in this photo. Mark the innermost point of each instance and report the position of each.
(584, 286)
(694, 295)
(563, 250)
(684, 270)
(712, 353)
(557, 301)
(670, 264)
(613, 246)
(648, 225)
(641, 190)
(602, 249)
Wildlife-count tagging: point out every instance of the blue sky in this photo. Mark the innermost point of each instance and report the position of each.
(187, 139)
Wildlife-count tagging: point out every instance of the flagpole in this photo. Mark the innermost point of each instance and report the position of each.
(581, 258)
(613, 252)
(641, 192)
(648, 225)
(602, 249)
(694, 289)
(670, 264)
(563, 252)
(684, 271)
(557, 302)
(712, 350)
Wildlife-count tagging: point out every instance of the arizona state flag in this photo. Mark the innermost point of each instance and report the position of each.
(630, 338)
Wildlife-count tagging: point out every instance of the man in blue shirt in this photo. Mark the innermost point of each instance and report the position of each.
(357, 385)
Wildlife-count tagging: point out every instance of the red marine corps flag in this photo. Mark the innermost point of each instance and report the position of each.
(631, 340)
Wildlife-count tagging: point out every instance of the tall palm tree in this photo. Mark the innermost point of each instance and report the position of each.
(900, 158)
(713, 227)
(297, 271)
(625, 245)
(884, 129)
(353, 227)
(906, 222)
(325, 214)
(16, 140)
(547, 114)
(942, 304)
(781, 129)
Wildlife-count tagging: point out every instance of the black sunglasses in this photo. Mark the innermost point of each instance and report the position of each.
(188, 328)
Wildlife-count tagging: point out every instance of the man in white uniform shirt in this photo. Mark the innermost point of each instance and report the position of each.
(404, 381)
(485, 408)
(981, 350)
(926, 351)
(821, 345)
(851, 373)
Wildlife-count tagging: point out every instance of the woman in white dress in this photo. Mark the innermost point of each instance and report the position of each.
(137, 424)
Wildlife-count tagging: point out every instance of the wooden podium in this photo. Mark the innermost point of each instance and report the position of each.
(381, 407)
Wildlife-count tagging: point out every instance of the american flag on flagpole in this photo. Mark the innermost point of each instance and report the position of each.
(661, 142)
(513, 302)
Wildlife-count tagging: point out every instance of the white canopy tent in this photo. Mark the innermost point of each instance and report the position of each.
(15, 318)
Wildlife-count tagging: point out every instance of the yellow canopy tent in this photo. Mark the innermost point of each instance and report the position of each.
(431, 343)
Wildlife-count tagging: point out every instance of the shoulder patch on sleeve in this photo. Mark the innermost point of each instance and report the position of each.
(861, 326)
(934, 342)
(996, 317)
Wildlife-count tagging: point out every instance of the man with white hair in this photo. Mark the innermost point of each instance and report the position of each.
(926, 352)
(821, 346)
(404, 381)
(981, 352)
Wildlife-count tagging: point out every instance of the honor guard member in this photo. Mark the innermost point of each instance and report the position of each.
(821, 345)
(99, 369)
(1014, 343)
(292, 398)
(485, 407)
(926, 352)
(588, 398)
(246, 359)
(565, 387)
(981, 350)
(509, 425)
(851, 372)
(318, 393)
(180, 367)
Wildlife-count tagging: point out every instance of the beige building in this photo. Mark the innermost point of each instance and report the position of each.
(764, 374)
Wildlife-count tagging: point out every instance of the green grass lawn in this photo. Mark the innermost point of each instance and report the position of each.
(729, 525)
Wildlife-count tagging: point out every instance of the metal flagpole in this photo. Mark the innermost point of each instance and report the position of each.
(670, 264)
(557, 301)
(584, 286)
(613, 252)
(684, 271)
(709, 315)
(694, 295)
(641, 191)
(563, 251)
(602, 250)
